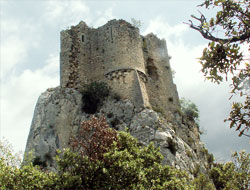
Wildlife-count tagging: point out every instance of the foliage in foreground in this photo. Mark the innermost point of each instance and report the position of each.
(233, 175)
(28, 177)
(101, 158)
(227, 33)
(124, 164)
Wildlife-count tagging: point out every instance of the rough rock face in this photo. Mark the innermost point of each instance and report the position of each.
(58, 115)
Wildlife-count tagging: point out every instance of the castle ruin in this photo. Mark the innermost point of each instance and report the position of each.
(136, 67)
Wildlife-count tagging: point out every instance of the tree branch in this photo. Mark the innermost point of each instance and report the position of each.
(207, 35)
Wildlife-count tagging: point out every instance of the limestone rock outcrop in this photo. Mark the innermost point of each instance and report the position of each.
(58, 115)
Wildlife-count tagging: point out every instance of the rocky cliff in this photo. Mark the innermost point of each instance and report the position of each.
(58, 115)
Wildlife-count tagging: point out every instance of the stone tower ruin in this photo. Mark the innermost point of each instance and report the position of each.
(136, 67)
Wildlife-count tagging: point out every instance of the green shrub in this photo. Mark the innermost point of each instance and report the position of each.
(202, 182)
(210, 159)
(102, 158)
(93, 95)
(190, 141)
(233, 175)
(196, 171)
(123, 165)
(189, 109)
(13, 176)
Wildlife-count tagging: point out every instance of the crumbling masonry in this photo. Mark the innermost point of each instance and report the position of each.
(135, 67)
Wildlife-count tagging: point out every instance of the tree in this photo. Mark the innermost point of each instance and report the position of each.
(227, 32)
(120, 165)
(99, 158)
(232, 175)
(94, 138)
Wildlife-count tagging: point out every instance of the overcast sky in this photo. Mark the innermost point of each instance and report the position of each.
(30, 46)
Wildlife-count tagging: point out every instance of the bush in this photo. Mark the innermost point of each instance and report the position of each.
(202, 182)
(189, 109)
(102, 158)
(210, 159)
(28, 177)
(93, 95)
(233, 175)
(123, 165)
(94, 138)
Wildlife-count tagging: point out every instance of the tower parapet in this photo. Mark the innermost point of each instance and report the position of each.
(135, 67)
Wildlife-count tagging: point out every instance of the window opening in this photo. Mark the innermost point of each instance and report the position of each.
(111, 34)
(170, 99)
(152, 69)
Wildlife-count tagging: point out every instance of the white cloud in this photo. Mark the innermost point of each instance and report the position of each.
(13, 51)
(18, 99)
(103, 17)
(52, 66)
(66, 13)
(163, 30)
(16, 40)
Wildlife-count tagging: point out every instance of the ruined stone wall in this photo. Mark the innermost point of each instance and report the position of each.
(136, 67)
(124, 49)
(160, 87)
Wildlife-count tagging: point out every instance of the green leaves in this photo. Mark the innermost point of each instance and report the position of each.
(232, 175)
(240, 116)
(124, 165)
(189, 109)
(220, 59)
(27, 177)
(223, 58)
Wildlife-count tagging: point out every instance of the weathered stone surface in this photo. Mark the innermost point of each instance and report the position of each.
(58, 115)
(57, 112)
